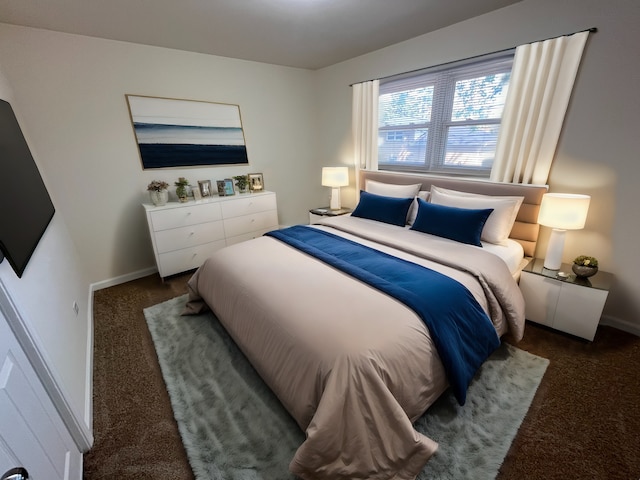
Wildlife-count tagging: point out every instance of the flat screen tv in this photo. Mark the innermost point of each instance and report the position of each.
(25, 206)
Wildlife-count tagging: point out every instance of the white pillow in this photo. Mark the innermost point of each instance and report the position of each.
(391, 189)
(413, 209)
(500, 222)
(396, 191)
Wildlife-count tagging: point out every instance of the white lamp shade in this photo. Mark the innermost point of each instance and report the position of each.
(335, 176)
(565, 211)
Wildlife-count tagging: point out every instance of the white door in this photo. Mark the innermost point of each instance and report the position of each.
(32, 434)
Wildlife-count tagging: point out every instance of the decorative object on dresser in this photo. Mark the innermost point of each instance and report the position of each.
(335, 177)
(181, 189)
(225, 187)
(205, 188)
(585, 266)
(563, 301)
(183, 235)
(561, 212)
(228, 187)
(180, 133)
(256, 182)
(242, 182)
(158, 192)
(196, 194)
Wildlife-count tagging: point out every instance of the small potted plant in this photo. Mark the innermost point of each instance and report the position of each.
(181, 189)
(585, 266)
(242, 182)
(158, 192)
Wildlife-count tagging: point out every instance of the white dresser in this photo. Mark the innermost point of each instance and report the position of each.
(185, 234)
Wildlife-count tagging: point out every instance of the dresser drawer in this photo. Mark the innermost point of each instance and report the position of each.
(177, 238)
(184, 216)
(250, 223)
(251, 204)
(187, 258)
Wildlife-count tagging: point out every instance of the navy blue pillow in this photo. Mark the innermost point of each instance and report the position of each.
(383, 209)
(463, 225)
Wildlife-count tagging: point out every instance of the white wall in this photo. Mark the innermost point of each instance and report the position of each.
(43, 298)
(72, 90)
(598, 149)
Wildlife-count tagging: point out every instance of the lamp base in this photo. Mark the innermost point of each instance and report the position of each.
(335, 199)
(553, 258)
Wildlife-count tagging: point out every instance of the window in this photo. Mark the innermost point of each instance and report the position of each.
(444, 119)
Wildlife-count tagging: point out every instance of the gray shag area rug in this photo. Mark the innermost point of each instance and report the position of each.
(234, 428)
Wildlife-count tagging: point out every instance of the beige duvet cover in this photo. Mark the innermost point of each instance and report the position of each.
(353, 366)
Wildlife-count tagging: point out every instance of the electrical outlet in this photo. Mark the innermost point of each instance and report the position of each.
(76, 309)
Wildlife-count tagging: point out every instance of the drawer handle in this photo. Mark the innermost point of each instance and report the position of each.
(190, 234)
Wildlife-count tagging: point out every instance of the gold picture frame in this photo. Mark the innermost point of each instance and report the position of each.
(256, 182)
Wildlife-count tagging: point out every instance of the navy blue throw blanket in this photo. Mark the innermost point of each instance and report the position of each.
(462, 332)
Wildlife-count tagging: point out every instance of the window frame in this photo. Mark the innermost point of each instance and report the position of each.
(443, 78)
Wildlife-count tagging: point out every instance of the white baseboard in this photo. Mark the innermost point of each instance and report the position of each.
(623, 325)
(122, 279)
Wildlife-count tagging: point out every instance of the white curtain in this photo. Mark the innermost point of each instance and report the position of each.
(364, 125)
(539, 91)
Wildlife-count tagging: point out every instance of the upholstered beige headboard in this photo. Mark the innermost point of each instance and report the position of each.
(526, 228)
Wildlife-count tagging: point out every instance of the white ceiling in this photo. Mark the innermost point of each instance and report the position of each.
(299, 33)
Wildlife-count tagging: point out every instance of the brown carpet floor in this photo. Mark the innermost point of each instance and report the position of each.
(584, 422)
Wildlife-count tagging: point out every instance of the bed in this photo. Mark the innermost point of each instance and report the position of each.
(352, 360)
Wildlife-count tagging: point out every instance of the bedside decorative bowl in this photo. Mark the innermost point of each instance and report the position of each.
(583, 270)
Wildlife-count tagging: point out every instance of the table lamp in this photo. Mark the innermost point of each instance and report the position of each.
(335, 177)
(561, 212)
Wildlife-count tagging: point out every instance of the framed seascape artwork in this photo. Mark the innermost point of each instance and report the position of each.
(182, 133)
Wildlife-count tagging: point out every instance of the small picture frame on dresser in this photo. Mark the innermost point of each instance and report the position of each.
(256, 182)
(204, 187)
(228, 187)
(225, 187)
(220, 187)
(196, 194)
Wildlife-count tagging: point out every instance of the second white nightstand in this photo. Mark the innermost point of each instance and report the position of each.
(573, 305)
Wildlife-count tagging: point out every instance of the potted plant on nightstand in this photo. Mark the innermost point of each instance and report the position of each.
(181, 189)
(158, 192)
(585, 266)
(242, 182)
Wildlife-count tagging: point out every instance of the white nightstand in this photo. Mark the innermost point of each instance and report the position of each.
(317, 214)
(572, 304)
